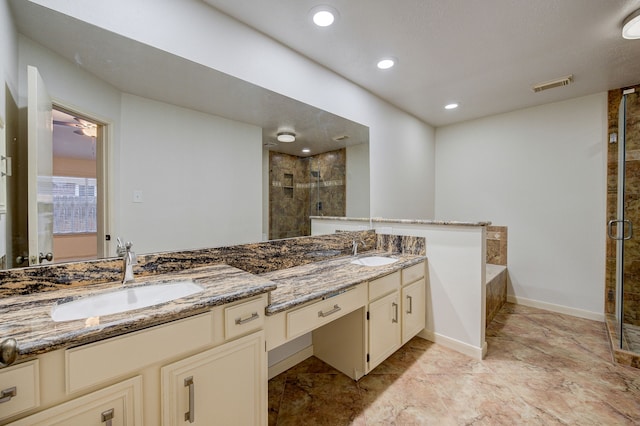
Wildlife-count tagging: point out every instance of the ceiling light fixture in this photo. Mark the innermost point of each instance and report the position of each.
(631, 26)
(286, 137)
(324, 16)
(386, 63)
(451, 106)
(306, 150)
(91, 131)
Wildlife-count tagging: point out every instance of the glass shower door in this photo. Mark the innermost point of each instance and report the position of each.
(627, 312)
(616, 227)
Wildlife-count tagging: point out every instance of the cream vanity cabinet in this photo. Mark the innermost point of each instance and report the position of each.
(384, 319)
(119, 404)
(414, 300)
(19, 389)
(225, 385)
(140, 378)
(396, 311)
(392, 311)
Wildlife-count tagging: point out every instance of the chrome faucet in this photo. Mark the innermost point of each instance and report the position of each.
(355, 246)
(129, 259)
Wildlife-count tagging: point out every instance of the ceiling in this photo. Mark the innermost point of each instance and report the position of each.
(139, 69)
(485, 55)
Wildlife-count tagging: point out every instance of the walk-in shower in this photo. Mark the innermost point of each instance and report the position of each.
(302, 187)
(623, 298)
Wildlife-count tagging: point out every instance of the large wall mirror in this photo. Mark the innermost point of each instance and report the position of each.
(190, 155)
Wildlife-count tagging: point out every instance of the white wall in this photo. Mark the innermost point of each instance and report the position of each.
(401, 146)
(200, 178)
(67, 83)
(8, 55)
(357, 166)
(199, 159)
(541, 172)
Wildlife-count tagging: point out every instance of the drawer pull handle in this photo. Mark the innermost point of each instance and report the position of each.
(7, 394)
(395, 307)
(254, 316)
(191, 414)
(335, 309)
(410, 310)
(106, 417)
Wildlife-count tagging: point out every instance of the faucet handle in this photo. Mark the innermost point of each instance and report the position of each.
(131, 255)
(120, 249)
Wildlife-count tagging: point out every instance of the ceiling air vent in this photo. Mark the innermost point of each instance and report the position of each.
(564, 81)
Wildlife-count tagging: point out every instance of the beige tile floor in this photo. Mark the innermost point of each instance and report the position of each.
(542, 368)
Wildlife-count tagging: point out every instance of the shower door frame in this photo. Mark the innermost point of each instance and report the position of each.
(623, 226)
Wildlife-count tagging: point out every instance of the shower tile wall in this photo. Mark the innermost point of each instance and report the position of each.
(327, 185)
(631, 295)
(294, 190)
(497, 245)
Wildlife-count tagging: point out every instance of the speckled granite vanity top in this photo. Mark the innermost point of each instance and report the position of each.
(306, 283)
(26, 318)
(295, 271)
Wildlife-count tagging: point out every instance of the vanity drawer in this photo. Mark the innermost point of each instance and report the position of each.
(243, 318)
(91, 364)
(413, 273)
(19, 388)
(319, 313)
(384, 285)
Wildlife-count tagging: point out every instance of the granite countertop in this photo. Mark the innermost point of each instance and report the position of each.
(405, 221)
(26, 318)
(306, 283)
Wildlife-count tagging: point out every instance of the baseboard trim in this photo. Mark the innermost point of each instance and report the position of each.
(456, 345)
(289, 362)
(580, 313)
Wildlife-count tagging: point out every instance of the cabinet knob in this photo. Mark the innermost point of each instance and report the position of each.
(48, 257)
(8, 352)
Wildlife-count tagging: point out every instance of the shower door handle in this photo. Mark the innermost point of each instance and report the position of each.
(628, 226)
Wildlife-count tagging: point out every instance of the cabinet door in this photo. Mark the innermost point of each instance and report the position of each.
(384, 328)
(413, 309)
(117, 405)
(226, 385)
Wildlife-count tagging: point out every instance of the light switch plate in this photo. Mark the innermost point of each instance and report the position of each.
(137, 196)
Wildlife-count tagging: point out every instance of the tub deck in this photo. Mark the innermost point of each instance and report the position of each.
(496, 281)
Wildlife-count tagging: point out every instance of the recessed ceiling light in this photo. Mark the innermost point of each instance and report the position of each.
(306, 150)
(451, 106)
(386, 63)
(323, 16)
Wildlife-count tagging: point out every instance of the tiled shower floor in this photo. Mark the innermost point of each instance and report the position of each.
(541, 368)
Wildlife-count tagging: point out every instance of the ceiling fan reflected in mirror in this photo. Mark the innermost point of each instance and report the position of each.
(82, 127)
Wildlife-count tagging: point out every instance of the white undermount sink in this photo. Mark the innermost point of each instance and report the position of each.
(374, 261)
(125, 299)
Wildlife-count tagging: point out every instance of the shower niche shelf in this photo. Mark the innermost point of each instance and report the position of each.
(287, 185)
